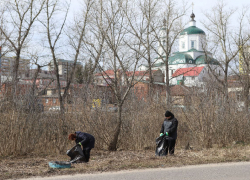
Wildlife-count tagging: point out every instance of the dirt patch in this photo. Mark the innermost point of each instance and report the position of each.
(103, 161)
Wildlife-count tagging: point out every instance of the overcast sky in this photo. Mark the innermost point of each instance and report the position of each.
(199, 7)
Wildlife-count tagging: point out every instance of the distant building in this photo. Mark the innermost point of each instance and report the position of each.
(157, 75)
(44, 80)
(104, 78)
(190, 76)
(64, 67)
(244, 60)
(7, 66)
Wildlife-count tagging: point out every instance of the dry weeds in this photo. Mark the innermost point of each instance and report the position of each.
(102, 161)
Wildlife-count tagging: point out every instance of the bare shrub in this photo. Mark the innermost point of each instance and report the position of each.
(207, 122)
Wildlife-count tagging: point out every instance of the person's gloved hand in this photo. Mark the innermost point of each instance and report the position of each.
(80, 143)
(167, 133)
(161, 134)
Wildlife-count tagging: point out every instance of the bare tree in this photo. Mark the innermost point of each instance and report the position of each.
(76, 39)
(120, 55)
(55, 27)
(225, 38)
(54, 33)
(94, 39)
(244, 57)
(142, 31)
(21, 16)
(129, 40)
(150, 31)
(173, 26)
(75, 34)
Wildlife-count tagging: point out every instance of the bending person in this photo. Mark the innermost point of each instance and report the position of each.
(87, 141)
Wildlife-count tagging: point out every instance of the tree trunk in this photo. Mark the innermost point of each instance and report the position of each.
(113, 144)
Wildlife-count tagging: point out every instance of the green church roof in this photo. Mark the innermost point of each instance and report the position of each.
(206, 60)
(192, 30)
(158, 64)
(180, 58)
(192, 50)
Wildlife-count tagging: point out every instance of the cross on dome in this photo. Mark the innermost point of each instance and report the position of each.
(192, 15)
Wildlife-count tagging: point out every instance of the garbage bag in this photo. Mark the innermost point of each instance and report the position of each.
(161, 144)
(76, 154)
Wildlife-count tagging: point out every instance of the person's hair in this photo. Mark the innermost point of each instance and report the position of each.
(72, 136)
(168, 114)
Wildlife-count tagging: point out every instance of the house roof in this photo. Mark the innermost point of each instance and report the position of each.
(191, 71)
(108, 72)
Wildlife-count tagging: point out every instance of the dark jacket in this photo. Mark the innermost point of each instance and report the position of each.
(170, 126)
(87, 140)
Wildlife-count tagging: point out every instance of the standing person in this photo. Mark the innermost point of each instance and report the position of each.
(169, 128)
(87, 141)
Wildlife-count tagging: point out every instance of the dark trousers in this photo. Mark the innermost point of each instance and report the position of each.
(170, 145)
(86, 153)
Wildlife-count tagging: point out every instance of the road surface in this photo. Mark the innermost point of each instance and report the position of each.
(223, 171)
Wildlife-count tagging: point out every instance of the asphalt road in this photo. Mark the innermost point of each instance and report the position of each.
(224, 171)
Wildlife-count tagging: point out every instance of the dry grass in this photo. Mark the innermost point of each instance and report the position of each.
(30, 140)
(204, 123)
(102, 161)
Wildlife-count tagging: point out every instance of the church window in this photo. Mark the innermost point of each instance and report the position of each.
(192, 44)
(183, 45)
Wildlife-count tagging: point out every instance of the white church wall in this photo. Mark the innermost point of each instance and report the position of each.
(202, 44)
(194, 38)
(189, 81)
(198, 39)
(195, 54)
(202, 74)
(162, 43)
(217, 71)
(173, 81)
(142, 68)
(183, 47)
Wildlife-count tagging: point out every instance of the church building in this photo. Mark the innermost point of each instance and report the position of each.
(192, 65)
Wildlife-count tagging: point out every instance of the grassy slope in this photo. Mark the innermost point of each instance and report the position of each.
(101, 161)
